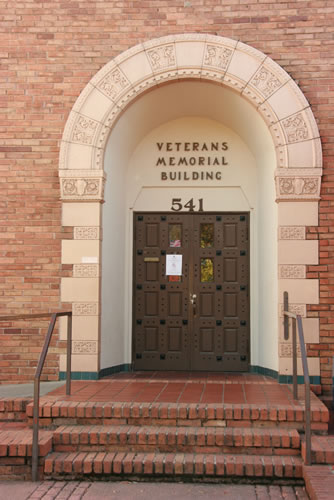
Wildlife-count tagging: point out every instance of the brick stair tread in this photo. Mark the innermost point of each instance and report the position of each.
(179, 411)
(170, 464)
(18, 442)
(101, 435)
(322, 449)
(319, 481)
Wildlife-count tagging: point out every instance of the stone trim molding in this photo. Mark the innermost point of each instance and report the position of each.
(295, 309)
(292, 233)
(228, 62)
(85, 308)
(87, 233)
(292, 271)
(84, 347)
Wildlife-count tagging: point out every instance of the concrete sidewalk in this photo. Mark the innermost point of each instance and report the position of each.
(74, 490)
(27, 390)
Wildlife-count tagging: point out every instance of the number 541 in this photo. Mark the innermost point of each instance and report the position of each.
(190, 205)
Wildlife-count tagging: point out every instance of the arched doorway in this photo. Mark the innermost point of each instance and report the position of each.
(216, 88)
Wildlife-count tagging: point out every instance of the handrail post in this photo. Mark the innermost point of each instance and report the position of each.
(69, 354)
(35, 429)
(308, 460)
(294, 359)
(285, 318)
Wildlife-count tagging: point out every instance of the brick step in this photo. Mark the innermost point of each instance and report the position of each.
(319, 481)
(18, 443)
(14, 409)
(133, 465)
(322, 449)
(181, 439)
(227, 415)
(15, 452)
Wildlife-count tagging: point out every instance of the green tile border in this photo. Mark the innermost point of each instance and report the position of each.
(126, 367)
(283, 379)
(96, 375)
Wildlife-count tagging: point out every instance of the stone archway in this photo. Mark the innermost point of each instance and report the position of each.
(256, 78)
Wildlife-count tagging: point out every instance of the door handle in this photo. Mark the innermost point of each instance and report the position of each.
(193, 298)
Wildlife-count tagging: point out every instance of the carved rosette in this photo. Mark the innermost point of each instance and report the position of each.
(217, 56)
(292, 233)
(298, 184)
(162, 57)
(86, 270)
(114, 84)
(85, 308)
(87, 233)
(294, 271)
(84, 130)
(295, 128)
(82, 184)
(265, 82)
(84, 347)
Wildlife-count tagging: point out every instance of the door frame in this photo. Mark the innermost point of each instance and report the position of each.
(216, 213)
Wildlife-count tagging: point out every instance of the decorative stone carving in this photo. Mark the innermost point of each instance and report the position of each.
(162, 57)
(84, 347)
(87, 233)
(265, 81)
(299, 309)
(285, 350)
(85, 308)
(298, 183)
(288, 271)
(85, 270)
(295, 128)
(84, 130)
(113, 84)
(292, 233)
(217, 56)
(298, 186)
(82, 184)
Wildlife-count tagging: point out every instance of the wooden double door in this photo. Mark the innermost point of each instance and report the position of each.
(191, 291)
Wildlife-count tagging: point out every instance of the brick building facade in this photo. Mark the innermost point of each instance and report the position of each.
(52, 53)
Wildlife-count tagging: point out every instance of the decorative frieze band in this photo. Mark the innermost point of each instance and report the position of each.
(113, 84)
(217, 56)
(298, 184)
(265, 82)
(287, 271)
(85, 308)
(295, 129)
(84, 347)
(292, 233)
(87, 233)
(86, 270)
(82, 184)
(162, 57)
(84, 130)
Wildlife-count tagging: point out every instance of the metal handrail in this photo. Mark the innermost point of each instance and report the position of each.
(40, 365)
(296, 319)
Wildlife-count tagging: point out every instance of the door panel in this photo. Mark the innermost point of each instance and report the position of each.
(200, 320)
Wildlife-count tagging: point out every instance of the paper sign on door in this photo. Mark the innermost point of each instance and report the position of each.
(174, 265)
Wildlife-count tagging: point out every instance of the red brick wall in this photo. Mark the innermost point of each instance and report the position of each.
(49, 51)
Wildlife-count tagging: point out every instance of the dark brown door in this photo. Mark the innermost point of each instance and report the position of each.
(199, 320)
